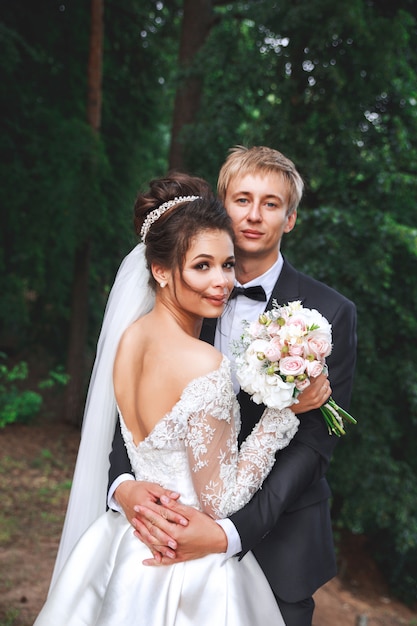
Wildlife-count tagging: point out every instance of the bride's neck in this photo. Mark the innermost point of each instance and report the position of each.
(166, 315)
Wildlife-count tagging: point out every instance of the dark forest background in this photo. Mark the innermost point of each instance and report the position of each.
(99, 97)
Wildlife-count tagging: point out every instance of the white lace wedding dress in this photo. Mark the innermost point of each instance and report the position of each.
(192, 450)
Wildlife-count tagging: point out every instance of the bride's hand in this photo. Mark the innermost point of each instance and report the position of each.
(156, 526)
(131, 493)
(313, 396)
(172, 542)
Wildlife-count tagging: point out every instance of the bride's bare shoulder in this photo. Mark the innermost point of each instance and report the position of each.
(202, 358)
(181, 358)
(131, 340)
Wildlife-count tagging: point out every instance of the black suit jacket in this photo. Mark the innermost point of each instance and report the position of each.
(287, 522)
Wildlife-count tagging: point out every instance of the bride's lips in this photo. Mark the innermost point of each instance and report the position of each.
(217, 300)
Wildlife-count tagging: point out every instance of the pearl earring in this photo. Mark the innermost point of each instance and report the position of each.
(162, 284)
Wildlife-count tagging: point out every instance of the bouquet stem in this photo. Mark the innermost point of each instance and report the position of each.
(334, 416)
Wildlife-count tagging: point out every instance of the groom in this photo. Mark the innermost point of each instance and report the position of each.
(287, 523)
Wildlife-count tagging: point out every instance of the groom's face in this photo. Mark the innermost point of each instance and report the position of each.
(258, 207)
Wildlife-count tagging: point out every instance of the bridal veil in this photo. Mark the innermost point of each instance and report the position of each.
(130, 298)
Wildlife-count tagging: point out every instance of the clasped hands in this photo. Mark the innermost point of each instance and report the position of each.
(172, 531)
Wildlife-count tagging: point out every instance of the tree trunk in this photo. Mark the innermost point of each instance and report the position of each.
(74, 397)
(197, 21)
(95, 65)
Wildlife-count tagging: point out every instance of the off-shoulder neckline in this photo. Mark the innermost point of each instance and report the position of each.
(222, 365)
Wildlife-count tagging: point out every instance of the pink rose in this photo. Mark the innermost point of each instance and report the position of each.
(319, 346)
(256, 329)
(296, 349)
(298, 321)
(314, 368)
(273, 329)
(292, 365)
(302, 384)
(273, 351)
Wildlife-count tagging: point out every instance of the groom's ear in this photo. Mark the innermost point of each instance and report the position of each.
(291, 219)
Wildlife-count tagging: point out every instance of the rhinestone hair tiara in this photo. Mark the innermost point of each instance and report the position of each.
(156, 213)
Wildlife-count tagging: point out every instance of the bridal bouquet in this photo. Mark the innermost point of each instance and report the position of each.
(279, 353)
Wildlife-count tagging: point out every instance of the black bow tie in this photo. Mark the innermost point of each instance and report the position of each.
(254, 293)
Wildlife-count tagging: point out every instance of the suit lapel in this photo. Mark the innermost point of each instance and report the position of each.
(286, 288)
(208, 330)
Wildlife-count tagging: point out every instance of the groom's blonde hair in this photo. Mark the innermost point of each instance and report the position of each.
(261, 160)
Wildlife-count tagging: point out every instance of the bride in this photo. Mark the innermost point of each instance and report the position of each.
(179, 418)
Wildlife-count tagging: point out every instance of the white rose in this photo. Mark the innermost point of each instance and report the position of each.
(277, 393)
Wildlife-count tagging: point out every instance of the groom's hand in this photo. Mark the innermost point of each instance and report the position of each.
(174, 542)
(313, 396)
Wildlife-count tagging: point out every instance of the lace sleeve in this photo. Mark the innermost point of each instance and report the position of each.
(225, 478)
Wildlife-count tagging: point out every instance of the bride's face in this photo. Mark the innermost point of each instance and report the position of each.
(204, 284)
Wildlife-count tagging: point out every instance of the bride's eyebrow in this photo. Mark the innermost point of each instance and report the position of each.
(202, 256)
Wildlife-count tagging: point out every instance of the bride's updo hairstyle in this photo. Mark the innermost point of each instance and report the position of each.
(169, 237)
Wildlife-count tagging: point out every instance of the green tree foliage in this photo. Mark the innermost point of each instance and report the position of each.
(50, 197)
(18, 404)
